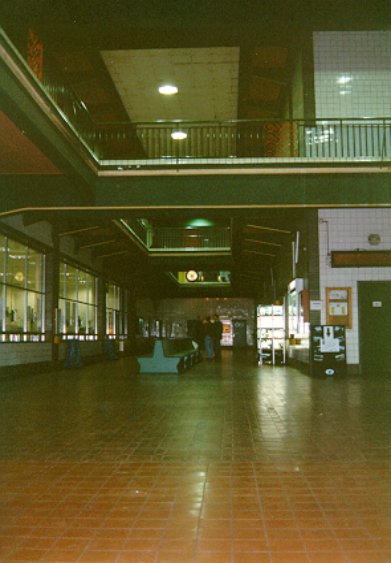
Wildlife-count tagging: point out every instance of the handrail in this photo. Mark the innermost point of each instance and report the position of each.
(308, 139)
(161, 122)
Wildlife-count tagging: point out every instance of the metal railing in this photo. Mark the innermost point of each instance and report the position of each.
(200, 238)
(334, 139)
(227, 142)
(155, 238)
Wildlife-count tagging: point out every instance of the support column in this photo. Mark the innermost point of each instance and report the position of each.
(52, 272)
(313, 267)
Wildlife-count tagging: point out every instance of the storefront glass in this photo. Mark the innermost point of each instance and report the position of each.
(21, 292)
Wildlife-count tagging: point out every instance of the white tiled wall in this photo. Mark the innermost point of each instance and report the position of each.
(352, 73)
(348, 229)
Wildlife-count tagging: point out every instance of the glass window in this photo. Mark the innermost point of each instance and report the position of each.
(2, 308)
(116, 311)
(71, 283)
(91, 289)
(14, 310)
(34, 315)
(3, 243)
(92, 319)
(21, 291)
(16, 263)
(61, 288)
(78, 302)
(34, 270)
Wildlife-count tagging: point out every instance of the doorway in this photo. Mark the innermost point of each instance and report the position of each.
(374, 308)
(239, 329)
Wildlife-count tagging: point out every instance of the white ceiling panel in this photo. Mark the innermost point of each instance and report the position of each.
(207, 79)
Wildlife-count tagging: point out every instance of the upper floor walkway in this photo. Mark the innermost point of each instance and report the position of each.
(180, 144)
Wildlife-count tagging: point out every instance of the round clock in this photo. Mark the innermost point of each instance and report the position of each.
(374, 239)
(192, 276)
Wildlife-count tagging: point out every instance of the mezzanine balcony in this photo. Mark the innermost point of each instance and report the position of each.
(198, 144)
(241, 142)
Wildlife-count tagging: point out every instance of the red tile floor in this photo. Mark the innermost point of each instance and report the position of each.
(228, 462)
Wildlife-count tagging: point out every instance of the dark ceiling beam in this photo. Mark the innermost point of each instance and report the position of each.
(257, 253)
(255, 18)
(115, 253)
(99, 243)
(78, 231)
(271, 229)
(266, 243)
(128, 35)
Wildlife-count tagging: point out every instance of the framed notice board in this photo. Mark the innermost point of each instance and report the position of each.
(339, 306)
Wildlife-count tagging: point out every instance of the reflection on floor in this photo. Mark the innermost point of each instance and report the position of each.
(228, 462)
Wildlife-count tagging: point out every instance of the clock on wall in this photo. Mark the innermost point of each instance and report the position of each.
(192, 276)
(374, 239)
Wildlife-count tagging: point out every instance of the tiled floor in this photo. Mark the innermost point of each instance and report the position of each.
(228, 462)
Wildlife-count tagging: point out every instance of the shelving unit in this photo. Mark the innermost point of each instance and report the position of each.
(271, 334)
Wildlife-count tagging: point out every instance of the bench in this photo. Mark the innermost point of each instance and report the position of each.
(169, 356)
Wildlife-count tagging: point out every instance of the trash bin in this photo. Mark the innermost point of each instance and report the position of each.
(72, 355)
(109, 350)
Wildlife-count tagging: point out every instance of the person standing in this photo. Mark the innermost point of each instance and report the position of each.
(208, 337)
(217, 334)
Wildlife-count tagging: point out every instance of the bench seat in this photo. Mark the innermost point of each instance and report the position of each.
(169, 356)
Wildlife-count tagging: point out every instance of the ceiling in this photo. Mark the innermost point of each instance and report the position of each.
(229, 60)
(206, 78)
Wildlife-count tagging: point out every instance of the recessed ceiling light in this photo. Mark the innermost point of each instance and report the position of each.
(344, 79)
(178, 135)
(168, 89)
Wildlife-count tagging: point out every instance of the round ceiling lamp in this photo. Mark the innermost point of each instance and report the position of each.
(178, 135)
(168, 90)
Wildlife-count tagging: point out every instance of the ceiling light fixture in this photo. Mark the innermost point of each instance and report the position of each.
(344, 79)
(178, 135)
(168, 90)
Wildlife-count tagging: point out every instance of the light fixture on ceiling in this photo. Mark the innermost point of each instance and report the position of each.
(168, 89)
(178, 135)
(344, 79)
(199, 222)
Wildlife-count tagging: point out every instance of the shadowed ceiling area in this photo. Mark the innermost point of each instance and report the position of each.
(18, 155)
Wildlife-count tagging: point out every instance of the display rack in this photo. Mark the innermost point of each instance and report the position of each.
(271, 334)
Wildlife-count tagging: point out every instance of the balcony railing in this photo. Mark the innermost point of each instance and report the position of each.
(231, 142)
(236, 141)
(200, 238)
(166, 239)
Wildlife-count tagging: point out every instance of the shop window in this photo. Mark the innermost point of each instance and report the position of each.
(21, 292)
(116, 311)
(78, 311)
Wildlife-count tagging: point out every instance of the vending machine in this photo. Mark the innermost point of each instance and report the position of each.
(271, 334)
(328, 350)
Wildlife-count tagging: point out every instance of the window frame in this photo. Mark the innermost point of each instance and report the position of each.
(21, 333)
(119, 315)
(76, 304)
